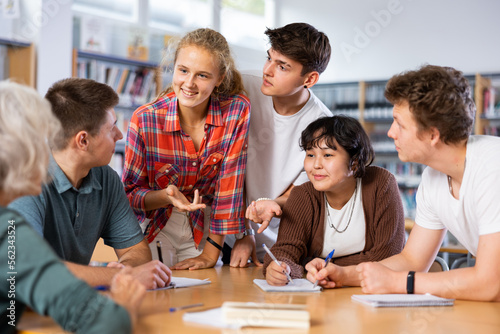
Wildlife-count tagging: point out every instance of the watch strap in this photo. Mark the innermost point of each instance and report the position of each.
(410, 283)
(249, 231)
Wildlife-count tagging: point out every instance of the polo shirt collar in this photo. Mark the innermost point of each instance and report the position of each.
(172, 121)
(62, 184)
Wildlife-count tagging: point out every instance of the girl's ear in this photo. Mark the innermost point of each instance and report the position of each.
(354, 166)
(220, 80)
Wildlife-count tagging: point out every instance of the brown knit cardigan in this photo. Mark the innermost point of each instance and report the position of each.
(301, 231)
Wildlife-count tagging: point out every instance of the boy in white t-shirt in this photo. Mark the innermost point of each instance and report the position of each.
(433, 118)
(282, 107)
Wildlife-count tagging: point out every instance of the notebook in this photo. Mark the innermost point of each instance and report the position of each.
(212, 317)
(402, 300)
(298, 285)
(184, 282)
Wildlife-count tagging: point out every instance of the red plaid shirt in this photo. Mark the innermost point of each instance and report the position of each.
(159, 153)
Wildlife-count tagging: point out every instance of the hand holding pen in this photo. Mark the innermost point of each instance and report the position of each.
(328, 258)
(277, 262)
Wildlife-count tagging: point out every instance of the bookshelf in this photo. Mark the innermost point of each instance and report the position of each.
(19, 63)
(487, 98)
(135, 82)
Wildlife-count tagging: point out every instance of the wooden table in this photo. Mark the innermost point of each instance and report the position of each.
(332, 311)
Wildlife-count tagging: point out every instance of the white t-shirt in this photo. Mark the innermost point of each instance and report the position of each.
(477, 211)
(353, 239)
(275, 159)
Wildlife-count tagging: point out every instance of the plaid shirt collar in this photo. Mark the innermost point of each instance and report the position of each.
(172, 122)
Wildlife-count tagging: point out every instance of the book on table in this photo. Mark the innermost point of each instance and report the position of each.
(248, 314)
(266, 315)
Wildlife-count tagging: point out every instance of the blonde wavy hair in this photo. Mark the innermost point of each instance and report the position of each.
(216, 44)
(27, 126)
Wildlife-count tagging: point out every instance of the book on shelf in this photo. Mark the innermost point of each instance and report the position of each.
(134, 85)
(122, 80)
(138, 44)
(93, 35)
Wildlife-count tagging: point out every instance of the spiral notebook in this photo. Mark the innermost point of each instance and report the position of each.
(185, 282)
(402, 300)
(298, 285)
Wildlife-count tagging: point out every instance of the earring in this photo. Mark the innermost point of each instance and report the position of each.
(305, 86)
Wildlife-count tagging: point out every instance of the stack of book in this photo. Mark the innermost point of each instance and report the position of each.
(266, 315)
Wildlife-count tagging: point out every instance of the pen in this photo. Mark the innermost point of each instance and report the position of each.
(328, 258)
(158, 248)
(276, 261)
(173, 309)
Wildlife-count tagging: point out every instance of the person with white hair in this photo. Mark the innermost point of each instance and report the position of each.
(35, 276)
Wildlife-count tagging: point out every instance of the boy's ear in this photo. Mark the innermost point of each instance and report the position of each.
(81, 140)
(434, 136)
(311, 78)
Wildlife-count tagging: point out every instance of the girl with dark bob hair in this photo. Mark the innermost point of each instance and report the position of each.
(348, 206)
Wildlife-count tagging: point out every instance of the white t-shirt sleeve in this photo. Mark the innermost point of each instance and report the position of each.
(487, 194)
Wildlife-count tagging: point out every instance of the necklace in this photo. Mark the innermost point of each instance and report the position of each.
(194, 126)
(350, 215)
(450, 186)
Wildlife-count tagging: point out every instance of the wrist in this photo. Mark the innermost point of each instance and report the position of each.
(165, 197)
(248, 231)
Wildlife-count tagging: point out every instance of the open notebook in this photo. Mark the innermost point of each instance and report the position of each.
(185, 282)
(298, 285)
(402, 300)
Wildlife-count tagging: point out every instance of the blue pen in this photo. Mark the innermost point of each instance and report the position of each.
(276, 261)
(178, 308)
(328, 258)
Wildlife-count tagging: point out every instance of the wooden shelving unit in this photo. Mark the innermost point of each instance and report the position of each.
(22, 61)
(136, 83)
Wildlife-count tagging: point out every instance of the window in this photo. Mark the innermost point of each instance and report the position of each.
(179, 16)
(243, 22)
(125, 10)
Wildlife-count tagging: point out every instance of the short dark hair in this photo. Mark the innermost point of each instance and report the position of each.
(348, 133)
(302, 43)
(439, 97)
(80, 105)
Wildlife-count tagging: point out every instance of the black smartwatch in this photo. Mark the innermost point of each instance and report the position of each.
(240, 236)
(410, 283)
